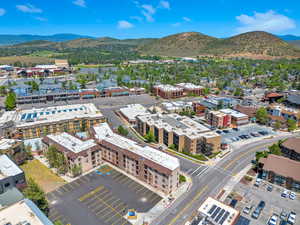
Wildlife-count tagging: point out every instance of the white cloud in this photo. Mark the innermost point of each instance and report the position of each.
(269, 21)
(80, 3)
(165, 4)
(2, 11)
(28, 8)
(186, 19)
(123, 24)
(148, 12)
(149, 8)
(43, 19)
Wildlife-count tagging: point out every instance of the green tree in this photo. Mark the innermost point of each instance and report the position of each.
(76, 170)
(292, 125)
(123, 131)
(150, 137)
(262, 115)
(275, 149)
(10, 101)
(37, 195)
(277, 125)
(182, 178)
(56, 159)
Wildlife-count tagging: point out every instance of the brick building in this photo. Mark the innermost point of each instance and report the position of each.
(237, 118)
(181, 132)
(85, 154)
(167, 91)
(191, 89)
(218, 119)
(150, 165)
(33, 123)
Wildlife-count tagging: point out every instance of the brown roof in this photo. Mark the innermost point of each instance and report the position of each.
(292, 143)
(248, 110)
(273, 95)
(282, 166)
(277, 118)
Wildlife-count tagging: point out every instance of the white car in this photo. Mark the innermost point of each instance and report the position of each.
(285, 194)
(273, 220)
(258, 182)
(247, 209)
(292, 218)
(292, 196)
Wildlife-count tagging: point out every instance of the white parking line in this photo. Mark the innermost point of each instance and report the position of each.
(202, 172)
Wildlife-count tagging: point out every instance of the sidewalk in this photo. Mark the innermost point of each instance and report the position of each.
(233, 181)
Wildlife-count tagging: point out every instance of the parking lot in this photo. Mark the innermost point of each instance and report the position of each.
(274, 203)
(246, 132)
(100, 197)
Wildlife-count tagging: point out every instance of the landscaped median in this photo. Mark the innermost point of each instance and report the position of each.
(43, 176)
(201, 159)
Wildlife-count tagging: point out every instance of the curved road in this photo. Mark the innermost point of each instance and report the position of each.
(210, 181)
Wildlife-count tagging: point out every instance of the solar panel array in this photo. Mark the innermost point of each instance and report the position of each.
(218, 215)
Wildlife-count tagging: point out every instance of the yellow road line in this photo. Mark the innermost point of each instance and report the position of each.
(109, 206)
(243, 154)
(188, 205)
(91, 193)
(97, 213)
(115, 201)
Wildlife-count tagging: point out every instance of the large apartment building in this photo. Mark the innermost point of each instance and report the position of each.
(237, 118)
(218, 119)
(150, 165)
(83, 154)
(167, 91)
(181, 132)
(34, 123)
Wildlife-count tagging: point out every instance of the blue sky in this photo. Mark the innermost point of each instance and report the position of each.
(148, 18)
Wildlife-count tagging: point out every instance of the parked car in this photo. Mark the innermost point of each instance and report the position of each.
(256, 213)
(235, 129)
(258, 209)
(257, 182)
(283, 215)
(273, 220)
(285, 194)
(292, 218)
(270, 188)
(226, 131)
(283, 222)
(233, 203)
(219, 132)
(247, 209)
(292, 195)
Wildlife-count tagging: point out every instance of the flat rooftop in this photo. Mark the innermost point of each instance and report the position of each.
(181, 125)
(23, 212)
(7, 143)
(103, 132)
(8, 168)
(218, 212)
(72, 143)
(134, 110)
(30, 117)
(168, 87)
(189, 86)
(233, 113)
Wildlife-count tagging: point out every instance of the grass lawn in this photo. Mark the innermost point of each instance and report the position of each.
(42, 175)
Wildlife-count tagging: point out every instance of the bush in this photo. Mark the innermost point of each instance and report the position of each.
(182, 178)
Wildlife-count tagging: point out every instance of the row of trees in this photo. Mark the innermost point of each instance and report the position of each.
(57, 160)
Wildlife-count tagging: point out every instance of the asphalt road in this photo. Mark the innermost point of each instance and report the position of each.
(209, 182)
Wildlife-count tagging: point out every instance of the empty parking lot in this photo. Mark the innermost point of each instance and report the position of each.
(101, 197)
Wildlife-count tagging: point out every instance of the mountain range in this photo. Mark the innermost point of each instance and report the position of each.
(251, 44)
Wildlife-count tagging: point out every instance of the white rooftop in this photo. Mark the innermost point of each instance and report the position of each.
(7, 143)
(72, 143)
(34, 116)
(189, 86)
(8, 168)
(103, 132)
(218, 212)
(181, 125)
(134, 110)
(23, 212)
(168, 87)
(233, 113)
